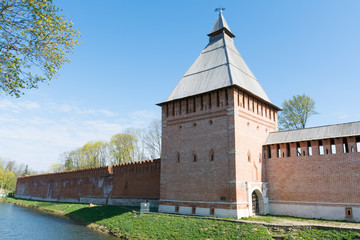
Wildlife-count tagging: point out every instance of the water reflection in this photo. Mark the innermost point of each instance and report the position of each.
(25, 223)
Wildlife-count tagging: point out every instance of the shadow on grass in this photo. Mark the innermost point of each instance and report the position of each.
(97, 213)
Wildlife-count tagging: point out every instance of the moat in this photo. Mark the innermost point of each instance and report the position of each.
(26, 223)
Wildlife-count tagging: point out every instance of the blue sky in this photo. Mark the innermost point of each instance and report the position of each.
(133, 53)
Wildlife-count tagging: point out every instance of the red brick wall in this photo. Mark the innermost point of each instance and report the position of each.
(332, 178)
(137, 180)
(143, 181)
(230, 129)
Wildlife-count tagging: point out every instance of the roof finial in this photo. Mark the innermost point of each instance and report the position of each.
(220, 9)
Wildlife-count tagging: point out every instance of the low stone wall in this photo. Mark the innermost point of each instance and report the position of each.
(126, 184)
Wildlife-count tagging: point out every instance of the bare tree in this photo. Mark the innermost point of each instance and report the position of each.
(153, 139)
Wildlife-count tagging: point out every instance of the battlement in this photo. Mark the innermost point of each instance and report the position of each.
(123, 184)
(138, 167)
(133, 167)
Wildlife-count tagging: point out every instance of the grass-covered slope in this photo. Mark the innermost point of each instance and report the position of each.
(123, 222)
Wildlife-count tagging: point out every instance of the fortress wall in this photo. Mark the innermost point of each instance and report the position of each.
(96, 185)
(321, 181)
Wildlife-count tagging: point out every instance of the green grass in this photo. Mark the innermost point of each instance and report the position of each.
(127, 224)
(274, 219)
(321, 234)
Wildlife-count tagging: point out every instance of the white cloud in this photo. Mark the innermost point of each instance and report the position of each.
(36, 134)
(17, 107)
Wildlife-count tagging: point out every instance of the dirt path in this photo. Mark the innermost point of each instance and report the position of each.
(298, 223)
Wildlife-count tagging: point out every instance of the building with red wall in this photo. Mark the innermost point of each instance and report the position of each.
(222, 154)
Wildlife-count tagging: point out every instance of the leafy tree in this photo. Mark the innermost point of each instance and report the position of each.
(122, 147)
(94, 154)
(296, 112)
(56, 167)
(8, 178)
(35, 41)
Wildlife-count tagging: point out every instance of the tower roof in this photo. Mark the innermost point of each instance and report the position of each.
(220, 25)
(219, 65)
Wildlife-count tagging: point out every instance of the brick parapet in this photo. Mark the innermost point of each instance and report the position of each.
(328, 177)
(140, 180)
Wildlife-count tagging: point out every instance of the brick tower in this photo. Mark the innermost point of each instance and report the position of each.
(214, 124)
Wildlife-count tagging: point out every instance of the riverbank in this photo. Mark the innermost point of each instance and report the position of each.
(129, 224)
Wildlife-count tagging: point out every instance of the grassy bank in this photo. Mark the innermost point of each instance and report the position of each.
(127, 224)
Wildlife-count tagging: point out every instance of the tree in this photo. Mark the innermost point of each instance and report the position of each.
(296, 112)
(153, 138)
(56, 167)
(35, 41)
(122, 147)
(8, 178)
(26, 171)
(94, 154)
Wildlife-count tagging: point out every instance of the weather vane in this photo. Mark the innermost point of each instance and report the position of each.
(220, 9)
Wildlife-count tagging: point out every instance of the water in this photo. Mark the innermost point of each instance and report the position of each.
(26, 223)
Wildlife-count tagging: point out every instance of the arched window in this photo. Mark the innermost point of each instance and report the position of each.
(178, 157)
(212, 156)
(194, 157)
(249, 157)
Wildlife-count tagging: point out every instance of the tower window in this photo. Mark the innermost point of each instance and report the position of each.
(226, 97)
(345, 145)
(288, 153)
(269, 151)
(178, 157)
(209, 100)
(278, 151)
(238, 97)
(249, 157)
(243, 102)
(212, 157)
(321, 148)
(298, 149)
(201, 102)
(173, 108)
(333, 146)
(309, 148)
(194, 157)
(357, 144)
